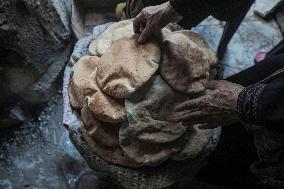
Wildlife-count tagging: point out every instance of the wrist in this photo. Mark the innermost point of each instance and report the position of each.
(236, 95)
(247, 103)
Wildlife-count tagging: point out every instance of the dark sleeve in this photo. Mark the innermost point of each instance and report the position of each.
(263, 104)
(195, 11)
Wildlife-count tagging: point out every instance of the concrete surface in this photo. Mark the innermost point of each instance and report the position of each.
(252, 36)
(39, 154)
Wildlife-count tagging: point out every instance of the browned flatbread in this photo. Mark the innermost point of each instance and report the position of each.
(151, 137)
(105, 134)
(104, 107)
(184, 65)
(103, 139)
(105, 40)
(93, 48)
(81, 75)
(201, 44)
(127, 66)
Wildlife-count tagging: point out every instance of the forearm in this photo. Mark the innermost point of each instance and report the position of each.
(195, 11)
(263, 104)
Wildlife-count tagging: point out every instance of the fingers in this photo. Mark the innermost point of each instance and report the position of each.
(192, 117)
(190, 104)
(139, 21)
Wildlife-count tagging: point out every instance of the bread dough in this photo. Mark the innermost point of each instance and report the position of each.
(127, 66)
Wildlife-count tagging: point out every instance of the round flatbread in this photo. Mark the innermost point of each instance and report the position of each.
(184, 65)
(82, 71)
(151, 137)
(93, 48)
(105, 134)
(127, 66)
(105, 40)
(104, 107)
(103, 139)
(200, 43)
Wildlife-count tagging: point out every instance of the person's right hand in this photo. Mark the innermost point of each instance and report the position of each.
(152, 19)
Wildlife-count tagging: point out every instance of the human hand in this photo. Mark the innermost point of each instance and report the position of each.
(216, 108)
(152, 19)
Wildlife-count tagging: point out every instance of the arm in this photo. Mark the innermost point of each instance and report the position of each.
(189, 12)
(195, 11)
(261, 104)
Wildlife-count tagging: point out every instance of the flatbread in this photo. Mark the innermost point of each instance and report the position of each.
(105, 134)
(151, 137)
(112, 155)
(105, 40)
(104, 107)
(93, 48)
(82, 71)
(200, 43)
(184, 65)
(127, 66)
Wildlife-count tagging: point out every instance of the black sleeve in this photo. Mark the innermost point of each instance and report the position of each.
(263, 104)
(195, 11)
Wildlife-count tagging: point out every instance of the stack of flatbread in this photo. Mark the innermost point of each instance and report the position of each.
(126, 93)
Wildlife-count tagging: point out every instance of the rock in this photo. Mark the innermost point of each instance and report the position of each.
(105, 40)
(36, 43)
(185, 64)
(127, 66)
(46, 87)
(151, 137)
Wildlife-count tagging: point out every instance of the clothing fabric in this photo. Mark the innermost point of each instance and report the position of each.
(261, 104)
(262, 101)
(194, 12)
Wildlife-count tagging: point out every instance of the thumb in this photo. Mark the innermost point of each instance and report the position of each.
(144, 35)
